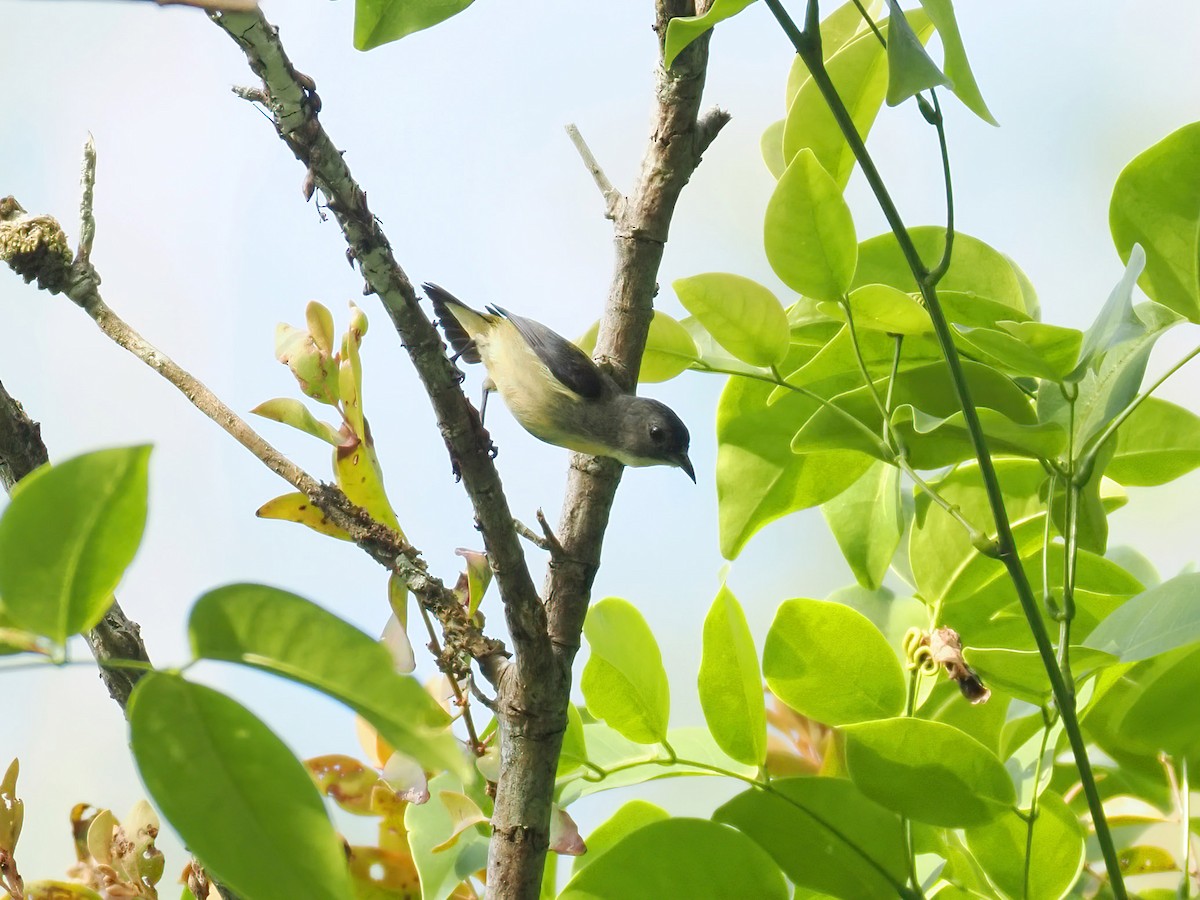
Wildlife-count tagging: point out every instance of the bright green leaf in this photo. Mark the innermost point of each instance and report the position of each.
(958, 68)
(910, 70)
(1156, 203)
(574, 751)
(809, 231)
(759, 479)
(859, 72)
(682, 30)
(1156, 621)
(867, 522)
(287, 635)
(1055, 852)
(825, 835)
(879, 307)
(771, 145)
(974, 267)
(742, 316)
(934, 442)
(692, 858)
(838, 29)
(928, 771)
(67, 538)
(1022, 673)
(669, 348)
(627, 819)
(236, 794)
(1025, 348)
(1157, 443)
(731, 692)
(378, 22)
(624, 682)
(828, 662)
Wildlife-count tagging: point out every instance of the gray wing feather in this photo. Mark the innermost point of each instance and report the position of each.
(566, 362)
(464, 347)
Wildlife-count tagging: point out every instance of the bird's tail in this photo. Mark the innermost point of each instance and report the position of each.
(459, 322)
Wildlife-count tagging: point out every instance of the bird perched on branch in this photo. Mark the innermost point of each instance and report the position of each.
(556, 392)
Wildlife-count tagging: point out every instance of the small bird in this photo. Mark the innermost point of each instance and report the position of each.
(556, 392)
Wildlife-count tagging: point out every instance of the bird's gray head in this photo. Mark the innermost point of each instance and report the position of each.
(652, 435)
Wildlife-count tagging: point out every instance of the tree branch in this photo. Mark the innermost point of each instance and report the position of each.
(293, 103)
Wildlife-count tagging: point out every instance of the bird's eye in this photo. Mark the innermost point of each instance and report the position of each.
(657, 434)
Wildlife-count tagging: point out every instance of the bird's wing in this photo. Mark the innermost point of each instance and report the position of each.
(451, 313)
(566, 362)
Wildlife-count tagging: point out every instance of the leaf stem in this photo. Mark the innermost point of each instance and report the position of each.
(862, 10)
(804, 44)
(1185, 817)
(1033, 803)
(935, 118)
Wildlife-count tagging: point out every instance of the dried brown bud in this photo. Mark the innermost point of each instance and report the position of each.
(945, 647)
(35, 247)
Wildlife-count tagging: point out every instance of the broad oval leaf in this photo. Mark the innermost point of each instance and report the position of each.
(630, 817)
(692, 858)
(974, 266)
(379, 22)
(880, 307)
(669, 348)
(927, 771)
(1156, 203)
(1157, 443)
(286, 635)
(809, 232)
(1156, 621)
(838, 29)
(828, 662)
(236, 794)
(67, 537)
(867, 521)
(759, 478)
(731, 693)
(742, 316)
(1022, 673)
(1053, 857)
(825, 835)
(624, 682)
(1025, 348)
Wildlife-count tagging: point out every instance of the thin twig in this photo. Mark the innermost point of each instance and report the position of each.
(87, 219)
(614, 200)
(449, 669)
(530, 535)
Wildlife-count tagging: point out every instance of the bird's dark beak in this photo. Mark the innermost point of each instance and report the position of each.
(686, 464)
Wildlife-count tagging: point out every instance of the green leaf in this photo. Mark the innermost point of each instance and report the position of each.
(771, 145)
(1022, 674)
(838, 29)
(238, 797)
(669, 348)
(867, 522)
(378, 22)
(292, 412)
(1157, 443)
(1156, 203)
(627, 819)
(1055, 852)
(946, 566)
(67, 538)
(276, 631)
(624, 682)
(859, 72)
(682, 30)
(878, 307)
(974, 267)
(429, 826)
(742, 316)
(958, 68)
(1025, 348)
(692, 858)
(927, 771)
(809, 231)
(731, 693)
(825, 835)
(1156, 621)
(934, 442)
(910, 70)
(828, 662)
(574, 751)
(759, 479)
(982, 721)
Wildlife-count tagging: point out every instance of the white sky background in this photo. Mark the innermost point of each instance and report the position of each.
(204, 244)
